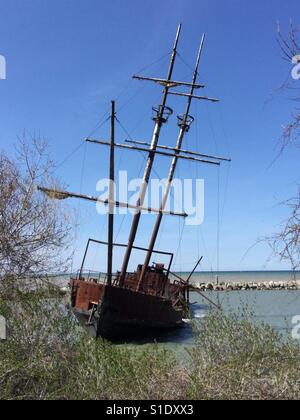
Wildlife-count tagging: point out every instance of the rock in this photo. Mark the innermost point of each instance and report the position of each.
(235, 286)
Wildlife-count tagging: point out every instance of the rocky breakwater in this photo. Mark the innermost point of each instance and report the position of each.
(233, 287)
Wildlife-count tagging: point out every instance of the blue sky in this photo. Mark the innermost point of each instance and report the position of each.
(67, 59)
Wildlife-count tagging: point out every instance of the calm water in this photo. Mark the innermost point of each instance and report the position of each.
(276, 308)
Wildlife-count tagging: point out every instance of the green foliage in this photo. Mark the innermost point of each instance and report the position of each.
(48, 356)
(234, 358)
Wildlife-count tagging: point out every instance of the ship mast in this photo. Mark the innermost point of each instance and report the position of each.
(160, 119)
(184, 124)
(162, 113)
(111, 197)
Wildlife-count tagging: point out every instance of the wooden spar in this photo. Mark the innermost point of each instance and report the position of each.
(156, 152)
(183, 130)
(189, 278)
(187, 152)
(169, 83)
(194, 289)
(155, 138)
(203, 98)
(62, 195)
(111, 197)
(206, 298)
(176, 275)
(195, 268)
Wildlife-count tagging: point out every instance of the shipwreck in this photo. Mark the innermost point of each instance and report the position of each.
(126, 304)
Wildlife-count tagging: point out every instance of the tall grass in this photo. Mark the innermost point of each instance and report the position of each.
(48, 356)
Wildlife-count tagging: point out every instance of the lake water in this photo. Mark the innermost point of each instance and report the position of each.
(243, 276)
(277, 308)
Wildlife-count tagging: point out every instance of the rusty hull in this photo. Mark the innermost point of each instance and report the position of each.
(122, 312)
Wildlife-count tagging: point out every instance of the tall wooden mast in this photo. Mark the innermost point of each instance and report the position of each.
(159, 121)
(111, 197)
(184, 127)
(162, 113)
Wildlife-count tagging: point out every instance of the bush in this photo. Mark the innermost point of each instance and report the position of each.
(48, 356)
(236, 359)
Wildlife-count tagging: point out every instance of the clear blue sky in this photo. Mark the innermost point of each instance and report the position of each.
(67, 59)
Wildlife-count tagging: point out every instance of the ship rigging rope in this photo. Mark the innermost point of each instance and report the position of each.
(106, 116)
(162, 230)
(142, 88)
(221, 207)
(155, 62)
(218, 223)
(120, 159)
(181, 231)
(186, 64)
(83, 165)
(145, 159)
(138, 91)
(229, 163)
(222, 199)
(200, 233)
(125, 216)
(178, 254)
(75, 150)
(216, 253)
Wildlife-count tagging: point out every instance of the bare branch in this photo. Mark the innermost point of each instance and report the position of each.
(34, 231)
(290, 46)
(286, 243)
